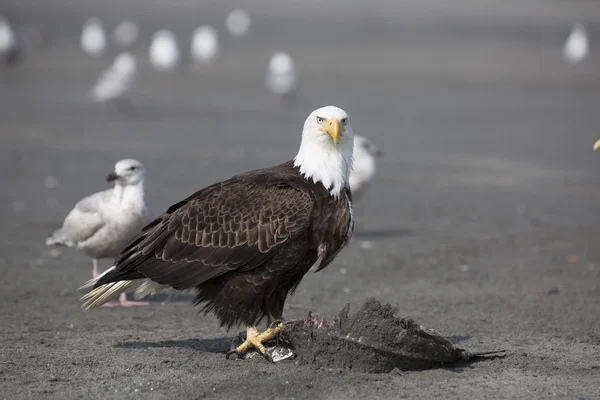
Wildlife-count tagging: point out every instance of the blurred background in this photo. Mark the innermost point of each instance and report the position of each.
(486, 123)
(481, 218)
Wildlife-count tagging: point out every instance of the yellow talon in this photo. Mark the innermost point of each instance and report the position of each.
(256, 340)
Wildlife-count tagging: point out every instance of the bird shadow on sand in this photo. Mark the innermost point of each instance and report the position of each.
(382, 233)
(215, 345)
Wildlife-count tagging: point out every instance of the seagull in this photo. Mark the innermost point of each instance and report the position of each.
(9, 50)
(281, 76)
(238, 22)
(576, 47)
(115, 82)
(101, 224)
(93, 37)
(363, 168)
(164, 51)
(204, 45)
(125, 34)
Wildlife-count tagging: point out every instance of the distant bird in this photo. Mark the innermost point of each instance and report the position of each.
(281, 77)
(204, 46)
(164, 51)
(238, 22)
(245, 243)
(116, 82)
(125, 34)
(93, 37)
(102, 224)
(10, 52)
(576, 47)
(363, 168)
(597, 145)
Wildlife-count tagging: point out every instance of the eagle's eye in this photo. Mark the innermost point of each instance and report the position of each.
(132, 168)
(320, 120)
(344, 121)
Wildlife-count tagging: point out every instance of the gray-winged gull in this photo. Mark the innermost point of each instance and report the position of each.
(238, 22)
(363, 168)
(281, 77)
(577, 46)
(204, 46)
(164, 51)
(125, 34)
(101, 224)
(93, 37)
(9, 49)
(115, 82)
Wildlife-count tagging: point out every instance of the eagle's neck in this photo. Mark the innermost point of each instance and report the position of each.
(322, 162)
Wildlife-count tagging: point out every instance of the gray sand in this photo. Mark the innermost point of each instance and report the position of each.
(483, 219)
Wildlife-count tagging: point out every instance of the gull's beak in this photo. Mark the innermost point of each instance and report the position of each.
(597, 145)
(112, 177)
(333, 128)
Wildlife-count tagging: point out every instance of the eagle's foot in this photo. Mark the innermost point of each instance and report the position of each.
(254, 339)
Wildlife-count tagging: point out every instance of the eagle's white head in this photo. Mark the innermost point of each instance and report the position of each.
(326, 149)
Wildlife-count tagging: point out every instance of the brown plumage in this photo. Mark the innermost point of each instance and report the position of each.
(244, 243)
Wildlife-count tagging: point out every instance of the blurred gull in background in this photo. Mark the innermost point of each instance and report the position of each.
(363, 168)
(101, 224)
(125, 34)
(204, 46)
(576, 47)
(238, 22)
(93, 37)
(281, 76)
(115, 83)
(164, 51)
(9, 50)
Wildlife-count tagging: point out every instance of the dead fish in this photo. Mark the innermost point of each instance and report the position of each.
(371, 340)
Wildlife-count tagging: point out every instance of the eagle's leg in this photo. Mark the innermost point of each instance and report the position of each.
(256, 340)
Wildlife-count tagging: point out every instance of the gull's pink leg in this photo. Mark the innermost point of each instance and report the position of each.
(123, 302)
(95, 274)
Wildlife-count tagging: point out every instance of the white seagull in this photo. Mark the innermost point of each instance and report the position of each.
(363, 168)
(115, 83)
(238, 22)
(576, 47)
(101, 224)
(93, 37)
(164, 51)
(281, 76)
(9, 51)
(204, 45)
(125, 34)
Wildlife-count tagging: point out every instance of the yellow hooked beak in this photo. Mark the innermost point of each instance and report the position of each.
(333, 128)
(597, 145)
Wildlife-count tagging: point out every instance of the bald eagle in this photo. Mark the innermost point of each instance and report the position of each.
(245, 243)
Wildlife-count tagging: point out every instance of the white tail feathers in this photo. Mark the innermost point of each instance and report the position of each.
(110, 291)
(148, 288)
(105, 293)
(90, 284)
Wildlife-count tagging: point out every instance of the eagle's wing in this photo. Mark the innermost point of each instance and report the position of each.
(234, 225)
